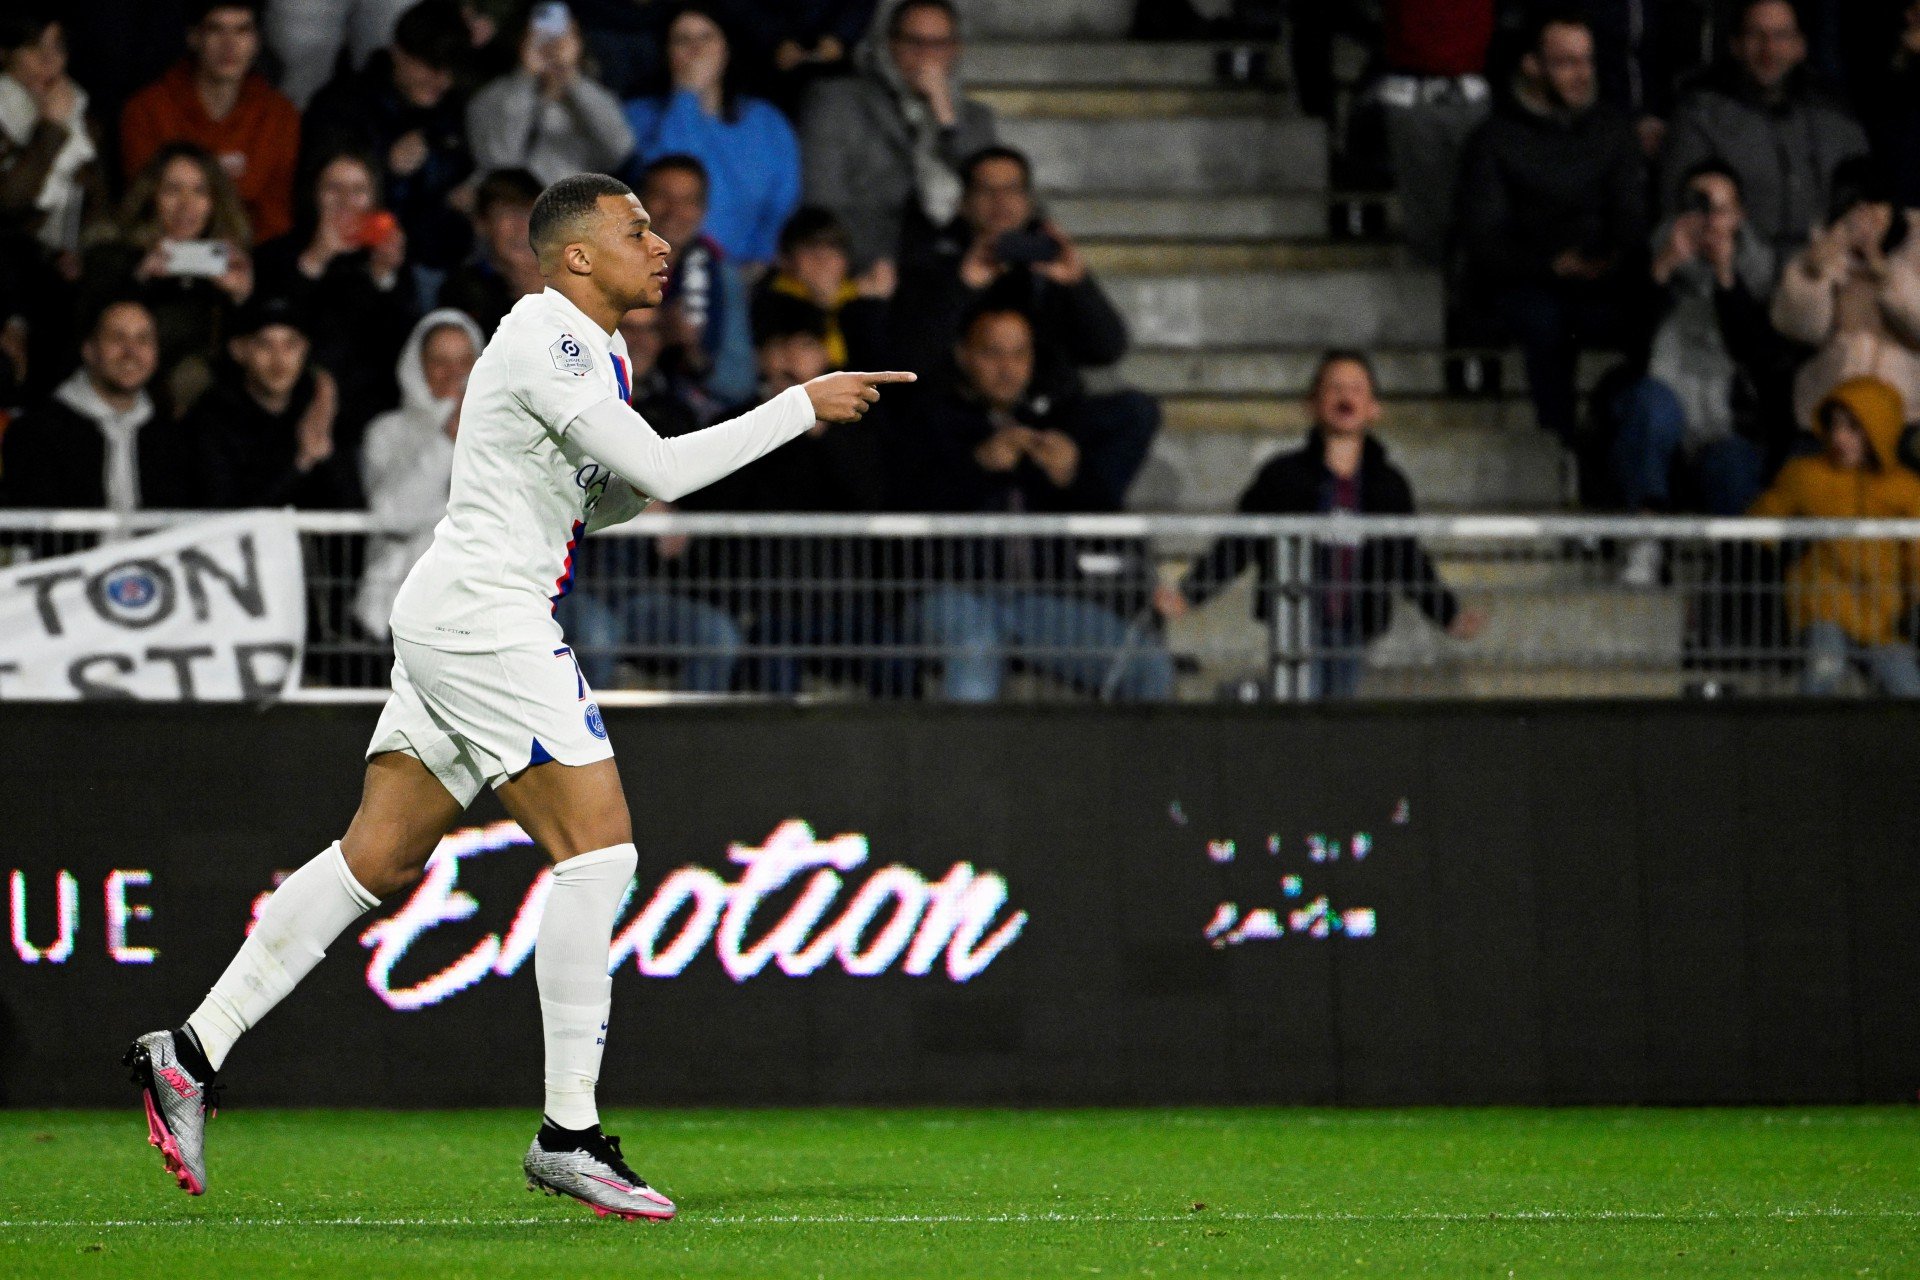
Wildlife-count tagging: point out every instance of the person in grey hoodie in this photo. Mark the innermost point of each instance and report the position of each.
(549, 116)
(1762, 115)
(890, 139)
(406, 461)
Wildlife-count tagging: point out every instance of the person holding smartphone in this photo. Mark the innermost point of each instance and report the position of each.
(549, 116)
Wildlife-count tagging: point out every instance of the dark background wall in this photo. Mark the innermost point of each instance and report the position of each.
(1607, 903)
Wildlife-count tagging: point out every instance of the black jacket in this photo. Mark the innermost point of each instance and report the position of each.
(54, 456)
(245, 455)
(1299, 483)
(1538, 183)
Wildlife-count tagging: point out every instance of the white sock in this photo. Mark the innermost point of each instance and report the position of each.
(570, 966)
(307, 912)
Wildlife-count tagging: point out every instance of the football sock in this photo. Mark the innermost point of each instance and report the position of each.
(570, 967)
(186, 1047)
(306, 913)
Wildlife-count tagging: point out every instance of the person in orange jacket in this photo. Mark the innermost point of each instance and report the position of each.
(1849, 598)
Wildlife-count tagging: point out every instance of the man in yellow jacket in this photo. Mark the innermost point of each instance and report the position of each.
(1849, 598)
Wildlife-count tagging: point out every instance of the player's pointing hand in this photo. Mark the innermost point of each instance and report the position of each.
(845, 397)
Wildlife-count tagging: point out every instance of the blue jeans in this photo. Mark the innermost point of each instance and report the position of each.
(1725, 476)
(1085, 644)
(1892, 667)
(653, 624)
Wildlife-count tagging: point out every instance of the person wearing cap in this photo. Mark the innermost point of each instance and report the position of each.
(1848, 598)
(262, 436)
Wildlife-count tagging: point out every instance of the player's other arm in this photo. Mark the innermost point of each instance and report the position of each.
(617, 437)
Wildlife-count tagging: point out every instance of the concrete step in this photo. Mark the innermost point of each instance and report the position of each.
(1057, 64)
(1281, 371)
(1194, 257)
(1173, 155)
(1053, 19)
(1300, 309)
(1458, 469)
(1126, 102)
(1291, 414)
(1213, 218)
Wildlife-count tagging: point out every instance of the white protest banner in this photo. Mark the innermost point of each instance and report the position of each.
(211, 611)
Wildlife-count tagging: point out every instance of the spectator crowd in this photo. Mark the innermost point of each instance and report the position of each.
(250, 248)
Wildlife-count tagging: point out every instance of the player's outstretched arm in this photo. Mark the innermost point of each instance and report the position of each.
(617, 437)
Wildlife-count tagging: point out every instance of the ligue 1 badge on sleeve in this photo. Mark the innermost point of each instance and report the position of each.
(569, 356)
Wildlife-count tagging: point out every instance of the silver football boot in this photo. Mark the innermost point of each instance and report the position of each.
(595, 1175)
(177, 1108)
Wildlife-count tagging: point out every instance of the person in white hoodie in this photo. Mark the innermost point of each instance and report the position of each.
(406, 461)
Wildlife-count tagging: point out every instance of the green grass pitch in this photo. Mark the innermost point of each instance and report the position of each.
(948, 1194)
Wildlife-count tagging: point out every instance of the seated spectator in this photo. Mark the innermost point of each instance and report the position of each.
(1342, 468)
(1761, 114)
(748, 148)
(308, 36)
(502, 268)
(1554, 215)
(807, 593)
(98, 440)
(1854, 294)
(1702, 409)
(50, 179)
(218, 100)
(549, 116)
(404, 109)
(651, 599)
(704, 314)
(1433, 95)
(1075, 609)
(815, 265)
(1851, 599)
(797, 42)
(345, 269)
(181, 242)
(263, 434)
(406, 462)
(891, 139)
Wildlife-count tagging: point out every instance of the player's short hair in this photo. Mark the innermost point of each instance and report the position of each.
(781, 315)
(434, 32)
(971, 165)
(898, 17)
(503, 187)
(563, 208)
(813, 225)
(1343, 355)
(678, 162)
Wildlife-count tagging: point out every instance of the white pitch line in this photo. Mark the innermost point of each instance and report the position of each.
(1573, 1216)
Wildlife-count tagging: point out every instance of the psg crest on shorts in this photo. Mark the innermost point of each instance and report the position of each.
(569, 356)
(595, 725)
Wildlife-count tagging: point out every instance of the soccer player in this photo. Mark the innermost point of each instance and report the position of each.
(486, 691)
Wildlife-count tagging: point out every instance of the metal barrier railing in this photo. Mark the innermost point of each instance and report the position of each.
(1064, 607)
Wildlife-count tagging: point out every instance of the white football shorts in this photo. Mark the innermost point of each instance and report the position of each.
(478, 719)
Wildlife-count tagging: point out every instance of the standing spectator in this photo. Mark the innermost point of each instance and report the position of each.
(50, 180)
(1554, 198)
(1851, 598)
(502, 269)
(217, 99)
(549, 117)
(891, 138)
(1763, 116)
(406, 463)
(1434, 95)
(815, 265)
(1854, 294)
(404, 109)
(1703, 406)
(704, 313)
(181, 242)
(1076, 609)
(751, 156)
(307, 36)
(263, 435)
(346, 271)
(97, 441)
(1342, 469)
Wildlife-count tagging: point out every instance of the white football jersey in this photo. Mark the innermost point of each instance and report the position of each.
(523, 495)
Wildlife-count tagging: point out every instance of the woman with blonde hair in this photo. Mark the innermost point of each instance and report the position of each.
(182, 245)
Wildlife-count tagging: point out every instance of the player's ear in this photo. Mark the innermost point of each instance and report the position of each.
(577, 258)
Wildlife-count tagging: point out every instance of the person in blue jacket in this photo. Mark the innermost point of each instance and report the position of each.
(749, 150)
